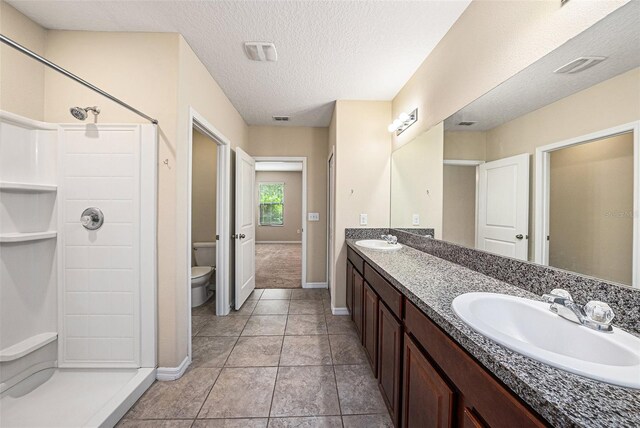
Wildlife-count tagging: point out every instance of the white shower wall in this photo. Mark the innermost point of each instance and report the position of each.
(100, 270)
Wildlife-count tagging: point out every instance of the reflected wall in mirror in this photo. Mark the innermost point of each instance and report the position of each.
(590, 204)
(416, 182)
(546, 166)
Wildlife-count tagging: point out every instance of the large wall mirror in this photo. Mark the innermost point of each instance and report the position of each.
(546, 166)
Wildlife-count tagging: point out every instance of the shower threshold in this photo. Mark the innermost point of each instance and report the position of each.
(73, 397)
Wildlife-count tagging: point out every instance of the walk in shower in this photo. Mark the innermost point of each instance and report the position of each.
(77, 271)
(77, 266)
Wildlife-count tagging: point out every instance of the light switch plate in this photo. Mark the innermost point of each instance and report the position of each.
(314, 216)
(416, 220)
(363, 219)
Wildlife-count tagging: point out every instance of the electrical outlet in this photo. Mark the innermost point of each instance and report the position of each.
(363, 219)
(416, 220)
(314, 216)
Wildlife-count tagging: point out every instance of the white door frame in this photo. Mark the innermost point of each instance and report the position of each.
(476, 163)
(330, 217)
(302, 159)
(543, 158)
(223, 200)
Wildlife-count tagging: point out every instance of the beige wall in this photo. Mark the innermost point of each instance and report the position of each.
(465, 145)
(203, 190)
(312, 144)
(459, 205)
(490, 42)
(416, 182)
(363, 158)
(21, 78)
(290, 231)
(591, 206)
(605, 105)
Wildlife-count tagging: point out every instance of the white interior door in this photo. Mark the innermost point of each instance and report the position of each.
(503, 206)
(245, 227)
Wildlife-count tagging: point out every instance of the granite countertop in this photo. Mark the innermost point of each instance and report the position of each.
(562, 398)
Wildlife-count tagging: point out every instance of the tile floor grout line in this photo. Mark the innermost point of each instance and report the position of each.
(273, 393)
(207, 396)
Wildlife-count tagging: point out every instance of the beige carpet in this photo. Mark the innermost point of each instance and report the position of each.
(278, 265)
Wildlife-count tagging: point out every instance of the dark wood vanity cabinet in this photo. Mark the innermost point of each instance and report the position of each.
(480, 399)
(390, 335)
(350, 288)
(428, 399)
(426, 379)
(370, 326)
(358, 293)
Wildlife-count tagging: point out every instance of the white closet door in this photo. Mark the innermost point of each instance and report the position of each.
(503, 206)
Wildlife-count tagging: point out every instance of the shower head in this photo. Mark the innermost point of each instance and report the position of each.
(81, 113)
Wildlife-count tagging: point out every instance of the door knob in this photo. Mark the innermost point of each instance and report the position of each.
(242, 236)
(519, 236)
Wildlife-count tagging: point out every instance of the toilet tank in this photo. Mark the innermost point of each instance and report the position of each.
(205, 253)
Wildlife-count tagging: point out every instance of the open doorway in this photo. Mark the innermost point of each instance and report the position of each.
(459, 201)
(587, 199)
(208, 224)
(280, 192)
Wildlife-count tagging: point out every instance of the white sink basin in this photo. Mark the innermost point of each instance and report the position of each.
(530, 328)
(378, 244)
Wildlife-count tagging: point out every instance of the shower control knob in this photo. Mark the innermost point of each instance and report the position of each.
(92, 218)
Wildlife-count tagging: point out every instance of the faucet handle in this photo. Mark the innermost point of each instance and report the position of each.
(599, 312)
(558, 294)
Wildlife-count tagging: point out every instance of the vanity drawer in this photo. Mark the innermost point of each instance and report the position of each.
(486, 396)
(388, 294)
(356, 260)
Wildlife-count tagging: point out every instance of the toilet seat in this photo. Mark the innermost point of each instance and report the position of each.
(200, 271)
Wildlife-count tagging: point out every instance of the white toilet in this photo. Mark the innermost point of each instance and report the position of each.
(205, 256)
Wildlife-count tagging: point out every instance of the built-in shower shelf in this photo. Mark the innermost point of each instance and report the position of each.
(11, 186)
(23, 237)
(27, 346)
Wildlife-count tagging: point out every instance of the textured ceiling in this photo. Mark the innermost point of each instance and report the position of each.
(327, 50)
(616, 37)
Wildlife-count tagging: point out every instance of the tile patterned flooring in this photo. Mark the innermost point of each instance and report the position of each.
(282, 361)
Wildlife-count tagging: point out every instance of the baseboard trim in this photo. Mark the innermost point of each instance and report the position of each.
(315, 285)
(339, 311)
(173, 373)
(278, 242)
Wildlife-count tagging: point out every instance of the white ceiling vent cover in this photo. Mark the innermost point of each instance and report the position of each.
(580, 64)
(261, 51)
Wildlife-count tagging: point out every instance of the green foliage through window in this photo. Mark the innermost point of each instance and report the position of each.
(271, 200)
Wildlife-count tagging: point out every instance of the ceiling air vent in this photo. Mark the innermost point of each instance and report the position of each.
(580, 64)
(281, 118)
(261, 51)
(468, 123)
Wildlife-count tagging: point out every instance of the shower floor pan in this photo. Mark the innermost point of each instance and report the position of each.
(73, 397)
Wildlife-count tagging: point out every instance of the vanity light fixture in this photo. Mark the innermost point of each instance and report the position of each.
(403, 121)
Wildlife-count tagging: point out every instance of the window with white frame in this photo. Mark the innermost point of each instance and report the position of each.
(271, 204)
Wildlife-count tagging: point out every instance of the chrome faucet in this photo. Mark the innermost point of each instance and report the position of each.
(595, 315)
(392, 240)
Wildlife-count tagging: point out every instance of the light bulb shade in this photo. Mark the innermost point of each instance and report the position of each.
(391, 128)
(403, 117)
(397, 123)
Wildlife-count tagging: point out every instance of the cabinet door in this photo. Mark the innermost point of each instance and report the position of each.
(427, 399)
(358, 290)
(350, 288)
(470, 420)
(370, 326)
(390, 360)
